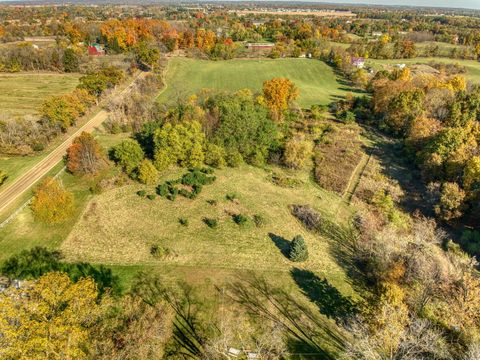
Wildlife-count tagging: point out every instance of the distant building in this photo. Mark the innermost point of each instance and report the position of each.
(96, 50)
(358, 62)
(400, 66)
(260, 46)
(377, 34)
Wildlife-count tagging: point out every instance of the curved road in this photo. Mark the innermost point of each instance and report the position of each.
(39, 170)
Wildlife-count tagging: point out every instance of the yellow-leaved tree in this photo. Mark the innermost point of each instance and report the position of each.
(48, 318)
(278, 94)
(51, 202)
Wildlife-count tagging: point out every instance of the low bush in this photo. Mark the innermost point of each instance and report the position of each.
(212, 202)
(259, 220)
(183, 221)
(298, 249)
(197, 177)
(240, 219)
(151, 196)
(211, 223)
(162, 190)
(231, 196)
(141, 193)
(308, 216)
(160, 252)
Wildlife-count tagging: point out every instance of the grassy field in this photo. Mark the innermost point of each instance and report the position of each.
(472, 66)
(316, 81)
(23, 93)
(119, 227)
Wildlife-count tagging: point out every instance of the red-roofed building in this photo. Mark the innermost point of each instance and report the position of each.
(96, 50)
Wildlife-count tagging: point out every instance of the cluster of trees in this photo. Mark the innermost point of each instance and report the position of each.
(438, 117)
(218, 130)
(26, 57)
(422, 287)
(424, 300)
(73, 310)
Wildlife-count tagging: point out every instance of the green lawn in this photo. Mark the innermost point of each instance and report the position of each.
(316, 81)
(472, 66)
(23, 93)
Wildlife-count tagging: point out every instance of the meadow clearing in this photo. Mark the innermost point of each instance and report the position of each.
(23, 93)
(316, 80)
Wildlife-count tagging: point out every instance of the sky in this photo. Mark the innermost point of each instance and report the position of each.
(470, 4)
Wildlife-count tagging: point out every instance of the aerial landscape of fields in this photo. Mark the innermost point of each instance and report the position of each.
(239, 181)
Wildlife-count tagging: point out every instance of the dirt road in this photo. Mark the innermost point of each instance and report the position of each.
(34, 174)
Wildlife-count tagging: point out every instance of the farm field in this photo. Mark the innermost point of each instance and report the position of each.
(472, 66)
(316, 81)
(22, 93)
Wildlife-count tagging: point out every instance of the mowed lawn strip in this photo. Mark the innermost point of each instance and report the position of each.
(23, 93)
(316, 80)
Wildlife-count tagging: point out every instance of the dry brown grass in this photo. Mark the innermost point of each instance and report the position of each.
(337, 157)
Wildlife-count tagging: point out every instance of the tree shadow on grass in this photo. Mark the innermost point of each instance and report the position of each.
(307, 331)
(281, 243)
(329, 300)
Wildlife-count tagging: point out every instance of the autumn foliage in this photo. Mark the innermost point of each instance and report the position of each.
(278, 94)
(85, 156)
(48, 318)
(51, 202)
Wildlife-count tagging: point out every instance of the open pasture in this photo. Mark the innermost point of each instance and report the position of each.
(119, 227)
(23, 93)
(316, 81)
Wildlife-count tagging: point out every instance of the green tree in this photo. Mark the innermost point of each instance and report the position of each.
(471, 173)
(128, 154)
(298, 249)
(70, 61)
(244, 127)
(147, 172)
(180, 144)
(451, 201)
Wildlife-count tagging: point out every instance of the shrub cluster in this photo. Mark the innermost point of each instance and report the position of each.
(194, 178)
(240, 219)
(211, 223)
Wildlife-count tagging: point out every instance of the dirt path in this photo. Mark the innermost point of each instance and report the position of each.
(355, 178)
(39, 170)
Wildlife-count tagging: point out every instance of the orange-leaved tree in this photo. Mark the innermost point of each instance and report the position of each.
(85, 156)
(51, 203)
(278, 94)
